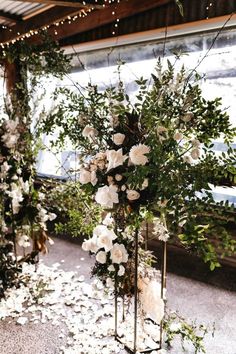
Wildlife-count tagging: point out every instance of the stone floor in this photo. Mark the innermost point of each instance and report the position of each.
(193, 299)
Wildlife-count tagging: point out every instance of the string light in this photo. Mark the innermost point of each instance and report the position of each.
(68, 20)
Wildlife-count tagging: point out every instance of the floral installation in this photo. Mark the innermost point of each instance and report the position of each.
(23, 219)
(149, 158)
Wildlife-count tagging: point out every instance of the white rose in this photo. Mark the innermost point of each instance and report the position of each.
(101, 257)
(104, 237)
(145, 184)
(90, 245)
(195, 154)
(121, 271)
(123, 188)
(118, 177)
(107, 196)
(137, 154)
(115, 158)
(178, 136)
(196, 143)
(110, 283)
(108, 220)
(84, 176)
(119, 254)
(132, 194)
(89, 132)
(118, 138)
(187, 117)
(111, 268)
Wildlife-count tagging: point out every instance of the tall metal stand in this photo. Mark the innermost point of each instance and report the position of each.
(134, 349)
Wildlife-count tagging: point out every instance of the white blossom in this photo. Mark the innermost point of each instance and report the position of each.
(119, 254)
(89, 132)
(132, 194)
(145, 184)
(138, 154)
(101, 257)
(195, 154)
(90, 245)
(187, 117)
(178, 136)
(118, 138)
(107, 196)
(84, 176)
(108, 220)
(121, 271)
(115, 158)
(105, 237)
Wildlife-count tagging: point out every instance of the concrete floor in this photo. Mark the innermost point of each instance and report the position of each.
(194, 300)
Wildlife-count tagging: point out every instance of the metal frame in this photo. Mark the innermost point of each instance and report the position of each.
(163, 286)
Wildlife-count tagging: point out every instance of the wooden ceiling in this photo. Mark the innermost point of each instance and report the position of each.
(72, 21)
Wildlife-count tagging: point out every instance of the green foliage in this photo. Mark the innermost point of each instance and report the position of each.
(77, 214)
(176, 326)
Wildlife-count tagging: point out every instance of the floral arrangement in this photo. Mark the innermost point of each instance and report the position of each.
(148, 159)
(23, 219)
(152, 156)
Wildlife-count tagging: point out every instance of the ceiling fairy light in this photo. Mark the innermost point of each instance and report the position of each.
(67, 20)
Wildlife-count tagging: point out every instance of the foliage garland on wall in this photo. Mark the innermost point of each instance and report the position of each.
(23, 219)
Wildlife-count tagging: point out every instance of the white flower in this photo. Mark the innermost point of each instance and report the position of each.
(119, 254)
(101, 257)
(107, 196)
(145, 184)
(178, 136)
(24, 241)
(160, 230)
(187, 117)
(137, 154)
(196, 143)
(104, 237)
(108, 220)
(11, 125)
(118, 177)
(4, 169)
(89, 132)
(123, 187)
(118, 138)
(51, 216)
(115, 158)
(187, 159)
(175, 327)
(109, 283)
(195, 154)
(90, 245)
(84, 176)
(132, 194)
(10, 140)
(17, 197)
(111, 268)
(121, 271)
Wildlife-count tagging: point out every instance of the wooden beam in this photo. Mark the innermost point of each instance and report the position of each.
(9, 16)
(69, 3)
(95, 19)
(39, 21)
